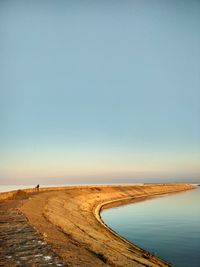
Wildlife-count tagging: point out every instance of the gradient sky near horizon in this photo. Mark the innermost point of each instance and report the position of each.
(99, 91)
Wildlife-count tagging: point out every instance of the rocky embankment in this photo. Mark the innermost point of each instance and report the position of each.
(20, 244)
(63, 226)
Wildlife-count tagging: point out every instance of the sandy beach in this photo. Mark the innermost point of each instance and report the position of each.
(63, 226)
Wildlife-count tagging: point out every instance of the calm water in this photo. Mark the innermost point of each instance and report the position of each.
(168, 226)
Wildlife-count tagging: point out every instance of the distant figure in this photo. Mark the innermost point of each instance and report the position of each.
(37, 187)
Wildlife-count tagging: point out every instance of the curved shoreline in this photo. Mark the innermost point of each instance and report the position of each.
(126, 201)
(111, 204)
(69, 220)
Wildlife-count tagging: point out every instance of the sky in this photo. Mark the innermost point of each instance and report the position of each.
(99, 91)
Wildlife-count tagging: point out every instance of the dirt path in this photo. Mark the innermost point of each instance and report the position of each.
(69, 227)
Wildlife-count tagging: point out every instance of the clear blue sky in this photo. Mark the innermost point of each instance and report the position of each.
(99, 91)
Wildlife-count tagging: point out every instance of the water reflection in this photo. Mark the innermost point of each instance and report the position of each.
(167, 226)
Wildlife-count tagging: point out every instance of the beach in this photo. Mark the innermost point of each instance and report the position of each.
(65, 226)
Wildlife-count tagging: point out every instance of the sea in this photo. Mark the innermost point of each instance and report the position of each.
(167, 226)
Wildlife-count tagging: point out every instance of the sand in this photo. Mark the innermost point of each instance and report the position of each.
(68, 220)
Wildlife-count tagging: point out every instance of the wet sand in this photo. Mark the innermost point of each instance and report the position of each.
(63, 226)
